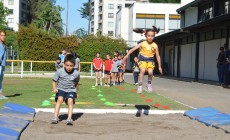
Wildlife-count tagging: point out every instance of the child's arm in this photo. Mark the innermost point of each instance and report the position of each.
(132, 50)
(158, 60)
(54, 87)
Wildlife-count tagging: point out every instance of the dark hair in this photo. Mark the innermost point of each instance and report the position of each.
(58, 58)
(70, 58)
(1, 31)
(157, 30)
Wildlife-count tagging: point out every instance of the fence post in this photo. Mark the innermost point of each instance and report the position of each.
(21, 69)
(31, 67)
(12, 67)
(91, 69)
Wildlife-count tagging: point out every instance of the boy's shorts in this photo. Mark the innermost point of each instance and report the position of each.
(120, 71)
(66, 96)
(107, 72)
(146, 65)
(98, 70)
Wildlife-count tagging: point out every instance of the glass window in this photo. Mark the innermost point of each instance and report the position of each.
(11, 11)
(100, 9)
(110, 33)
(10, 2)
(110, 24)
(227, 7)
(10, 20)
(111, 6)
(110, 15)
(119, 6)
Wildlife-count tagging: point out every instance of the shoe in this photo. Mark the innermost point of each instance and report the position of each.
(3, 97)
(101, 84)
(105, 85)
(136, 84)
(149, 87)
(69, 122)
(95, 84)
(54, 120)
(139, 89)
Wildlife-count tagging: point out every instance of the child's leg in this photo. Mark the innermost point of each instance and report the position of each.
(70, 108)
(142, 72)
(120, 77)
(100, 77)
(109, 78)
(96, 77)
(58, 105)
(106, 78)
(150, 75)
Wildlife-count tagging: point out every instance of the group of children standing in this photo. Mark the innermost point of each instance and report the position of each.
(113, 69)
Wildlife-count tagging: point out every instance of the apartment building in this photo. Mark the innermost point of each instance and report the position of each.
(103, 15)
(192, 50)
(18, 13)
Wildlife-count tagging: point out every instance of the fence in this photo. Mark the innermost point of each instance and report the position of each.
(19, 70)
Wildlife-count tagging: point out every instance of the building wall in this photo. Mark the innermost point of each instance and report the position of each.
(191, 16)
(122, 24)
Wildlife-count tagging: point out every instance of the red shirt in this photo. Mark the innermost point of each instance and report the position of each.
(108, 64)
(98, 63)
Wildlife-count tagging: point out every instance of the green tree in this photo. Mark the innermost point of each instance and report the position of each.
(80, 33)
(3, 13)
(85, 13)
(164, 1)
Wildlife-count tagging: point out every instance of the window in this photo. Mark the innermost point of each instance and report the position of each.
(119, 6)
(10, 2)
(111, 6)
(110, 24)
(10, 20)
(11, 11)
(100, 17)
(227, 7)
(100, 9)
(24, 6)
(100, 26)
(205, 13)
(174, 22)
(110, 15)
(110, 33)
(149, 20)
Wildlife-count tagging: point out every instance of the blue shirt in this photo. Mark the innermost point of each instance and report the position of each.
(3, 54)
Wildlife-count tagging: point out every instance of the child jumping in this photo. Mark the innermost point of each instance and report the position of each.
(97, 64)
(65, 85)
(148, 49)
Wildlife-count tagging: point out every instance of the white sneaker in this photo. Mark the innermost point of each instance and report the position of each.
(149, 87)
(139, 89)
(95, 84)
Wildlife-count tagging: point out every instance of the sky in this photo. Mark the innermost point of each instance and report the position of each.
(75, 20)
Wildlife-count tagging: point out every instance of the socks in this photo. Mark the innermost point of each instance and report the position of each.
(149, 82)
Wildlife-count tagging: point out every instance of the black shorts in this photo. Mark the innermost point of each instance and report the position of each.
(97, 70)
(120, 70)
(107, 72)
(66, 96)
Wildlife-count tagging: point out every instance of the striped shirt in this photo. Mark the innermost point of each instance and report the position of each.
(66, 81)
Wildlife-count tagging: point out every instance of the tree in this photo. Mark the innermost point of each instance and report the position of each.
(3, 13)
(80, 33)
(164, 1)
(85, 13)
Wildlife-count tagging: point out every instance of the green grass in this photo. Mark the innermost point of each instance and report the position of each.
(33, 91)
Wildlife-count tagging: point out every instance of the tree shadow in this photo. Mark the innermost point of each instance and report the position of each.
(74, 116)
(14, 95)
(139, 108)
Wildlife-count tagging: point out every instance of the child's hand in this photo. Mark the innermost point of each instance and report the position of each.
(77, 96)
(160, 70)
(55, 90)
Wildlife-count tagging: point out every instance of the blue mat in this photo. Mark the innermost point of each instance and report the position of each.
(16, 114)
(214, 120)
(19, 108)
(202, 112)
(9, 134)
(13, 123)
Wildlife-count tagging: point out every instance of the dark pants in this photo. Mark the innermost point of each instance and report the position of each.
(226, 76)
(135, 75)
(220, 69)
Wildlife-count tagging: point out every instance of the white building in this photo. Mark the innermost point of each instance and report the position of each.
(192, 50)
(144, 16)
(18, 13)
(103, 15)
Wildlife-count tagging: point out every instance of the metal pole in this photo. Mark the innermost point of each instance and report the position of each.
(21, 69)
(31, 67)
(91, 69)
(12, 67)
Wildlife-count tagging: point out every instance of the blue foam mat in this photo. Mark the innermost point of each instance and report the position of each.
(13, 123)
(215, 120)
(20, 108)
(8, 134)
(16, 114)
(202, 112)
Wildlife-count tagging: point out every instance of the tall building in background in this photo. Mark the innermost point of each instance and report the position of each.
(103, 15)
(18, 13)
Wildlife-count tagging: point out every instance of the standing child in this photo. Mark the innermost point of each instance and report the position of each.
(108, 70)
(77, 62)
(135, 71)
(114, 71)
(123, 68)
(65, 85)
(120, 69)
(3, 57)
(97, 64)
(58, 63)
(148, 49)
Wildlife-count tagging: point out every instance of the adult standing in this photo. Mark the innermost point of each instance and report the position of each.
(220, 66)
(3, 57)
(226, 74)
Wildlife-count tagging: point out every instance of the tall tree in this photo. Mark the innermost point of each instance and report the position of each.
(3, 13)
(164, 1)
(85, 13)
(80, 33)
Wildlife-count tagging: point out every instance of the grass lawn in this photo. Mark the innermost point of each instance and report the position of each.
(33, 91)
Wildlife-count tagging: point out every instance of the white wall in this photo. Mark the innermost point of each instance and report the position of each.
(191, 16)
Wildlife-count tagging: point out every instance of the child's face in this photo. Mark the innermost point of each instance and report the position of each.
(58, 61)
(135, 59)
(115, 58)
(97, 55)
(69, 66)
(63, 52)
(150, 36)
(119, 57)
(107, 57)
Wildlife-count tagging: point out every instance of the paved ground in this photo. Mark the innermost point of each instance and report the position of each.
(191, 93)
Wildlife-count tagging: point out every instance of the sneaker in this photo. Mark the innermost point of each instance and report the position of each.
(54, 120)
(69, 122)
(105, 85)
(139, 89)
(136, 84)
(3, 97)
(95, 84)
(149, 87)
